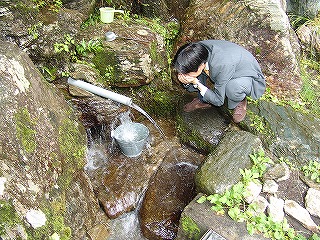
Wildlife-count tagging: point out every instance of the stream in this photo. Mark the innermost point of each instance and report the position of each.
(142, 178)
(154, 187)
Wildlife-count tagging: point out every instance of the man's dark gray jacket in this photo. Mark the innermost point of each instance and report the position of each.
(227, 61)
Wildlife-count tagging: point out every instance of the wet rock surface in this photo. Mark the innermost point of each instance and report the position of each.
(288, 133)
(220, 169)
(209, 124)
(42, 153)
(169, 191)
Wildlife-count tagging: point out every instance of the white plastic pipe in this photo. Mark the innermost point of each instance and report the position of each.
(101, 91)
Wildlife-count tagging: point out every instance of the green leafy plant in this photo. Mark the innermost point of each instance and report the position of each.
(300, 237)
(260, 162)
(125, 16)
(310, 94)
(83, 48)
(33, 30)
(232, 201)
(51, 5)
(77, 51)
(51, 72)
(257, 122)
(92, 20)
(109, 72)
(312, 170)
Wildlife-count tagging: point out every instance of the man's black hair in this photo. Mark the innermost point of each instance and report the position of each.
(189, 57)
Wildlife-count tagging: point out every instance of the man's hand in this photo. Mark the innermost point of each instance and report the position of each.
(187, 79)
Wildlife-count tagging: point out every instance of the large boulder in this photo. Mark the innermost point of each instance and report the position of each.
(285, 131)
(43, 151)
(221, 168)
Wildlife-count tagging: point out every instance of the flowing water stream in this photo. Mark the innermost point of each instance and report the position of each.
(139, 109)
(127, 225)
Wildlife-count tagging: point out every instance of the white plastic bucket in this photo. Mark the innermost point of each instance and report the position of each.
(107, 14)
(131, 138)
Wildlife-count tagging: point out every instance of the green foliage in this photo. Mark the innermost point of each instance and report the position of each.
(267, 96)
(257, 122)
(125, 16)
(50, 72)
(309, 66)
(232, 201)
(51, 5)
(190, 227)
(93, 19)
(8, 216)
(260, 162)
(297, 21)
(109, 72)
(33, 30)
(77, 51)
(270, 228)
(83, 48)
(312, 170)
(313, 237)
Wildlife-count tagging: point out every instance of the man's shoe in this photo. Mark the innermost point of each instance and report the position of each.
(240, 111)
(195, 104)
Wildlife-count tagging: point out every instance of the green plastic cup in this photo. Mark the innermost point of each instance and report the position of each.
(107, 14)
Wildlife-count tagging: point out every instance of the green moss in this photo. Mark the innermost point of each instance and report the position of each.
(154, 54)
(192, 137)
(157, 102)
(72, 143)
(190, 228)
(73, 147)
(107, 64)
(25, 130)
(8, 216)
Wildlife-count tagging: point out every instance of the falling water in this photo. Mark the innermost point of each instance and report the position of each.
(139, 109)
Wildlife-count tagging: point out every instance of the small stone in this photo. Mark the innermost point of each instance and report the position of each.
(260, 205)
(275, 209)
(253, 189)
(279, 172)
(36, 218)
(270, 186)
(312, 202)
(54, 236)
(301, 214)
